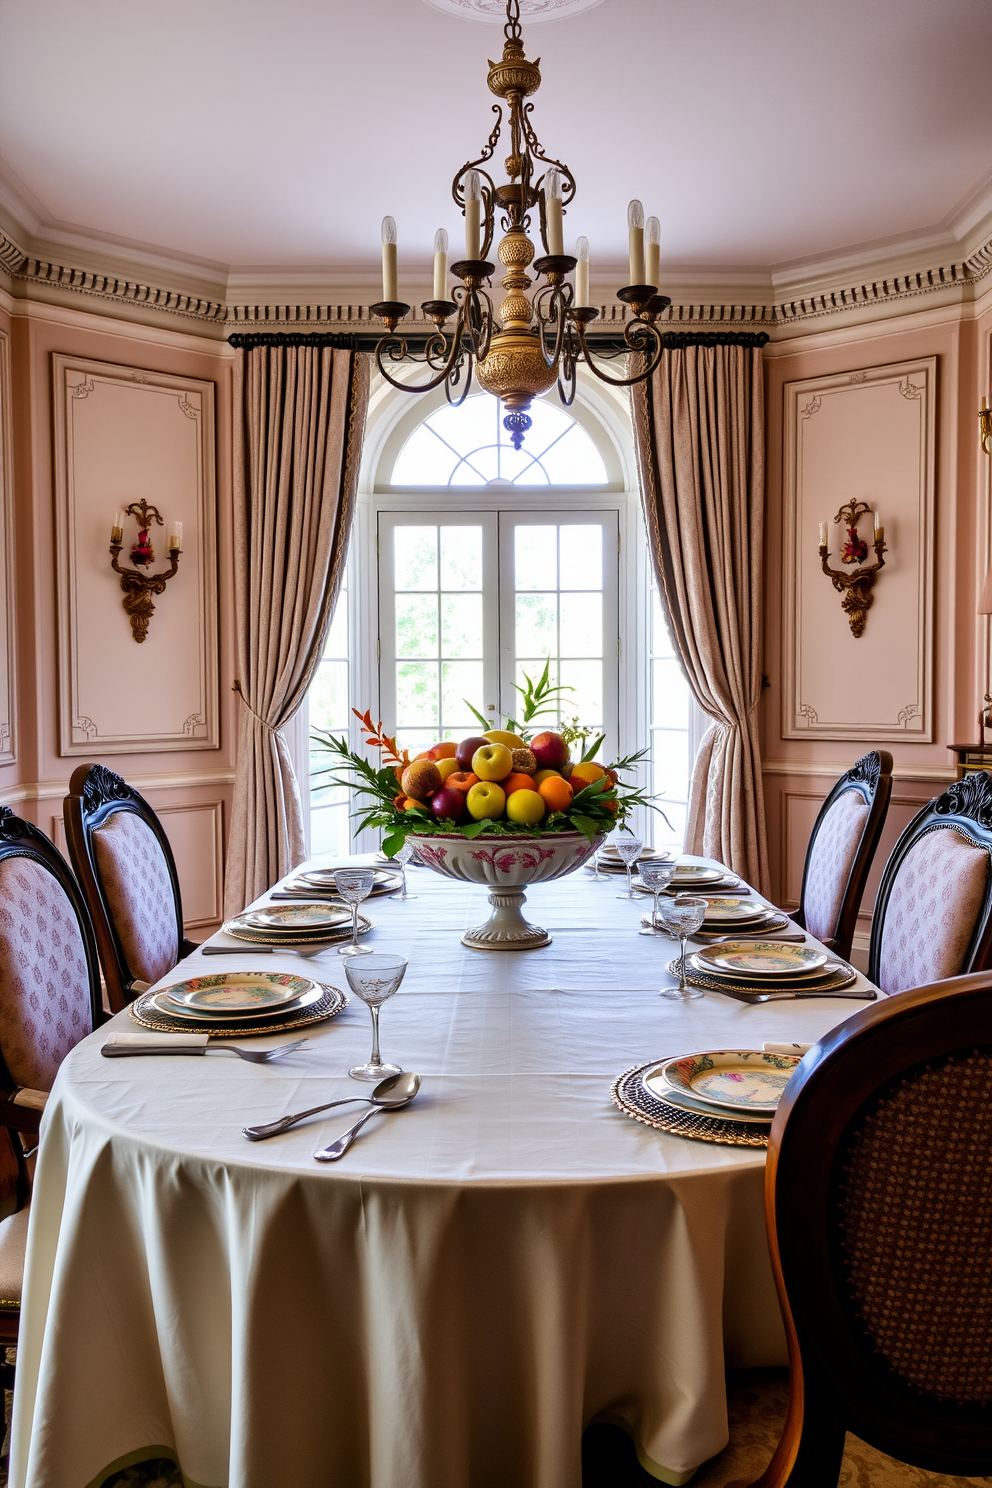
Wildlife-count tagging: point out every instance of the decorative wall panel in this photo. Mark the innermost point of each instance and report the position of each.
(8, 723)
(195, 834)
(866, 435)
(123, 434)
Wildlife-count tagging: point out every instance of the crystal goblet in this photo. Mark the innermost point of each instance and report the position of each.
(629, 848)
(353, 885)
(374, 978)
(403, 857)
(682, 916)
(655, 876)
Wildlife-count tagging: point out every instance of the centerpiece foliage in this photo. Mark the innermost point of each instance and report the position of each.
(438, 789)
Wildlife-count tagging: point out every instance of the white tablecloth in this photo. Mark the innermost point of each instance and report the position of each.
(487, 1271)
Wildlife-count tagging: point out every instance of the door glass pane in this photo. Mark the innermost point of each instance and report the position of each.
(558, 613)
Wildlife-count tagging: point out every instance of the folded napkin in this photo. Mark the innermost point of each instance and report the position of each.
(161, 1041)
(771, 1048)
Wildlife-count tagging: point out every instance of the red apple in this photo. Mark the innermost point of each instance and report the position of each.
(467, 748)
(550, 751)
(449, 804)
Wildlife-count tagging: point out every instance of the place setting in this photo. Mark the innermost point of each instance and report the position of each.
(728, 1096)
(762, 972)
(312, 924)
(227, 1005)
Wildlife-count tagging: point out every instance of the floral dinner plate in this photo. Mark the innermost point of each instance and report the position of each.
(772, 958)
(238, 991)
(733, 1079)
(654, 1080)
(293, 917)
(735, 911)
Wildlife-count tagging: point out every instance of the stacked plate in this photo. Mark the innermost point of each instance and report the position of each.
(610, 860)
(693, 878)
(719, 1095)
(743, 916)
(242, 1002)
(766, 968)
(321, 881)
(296, 924)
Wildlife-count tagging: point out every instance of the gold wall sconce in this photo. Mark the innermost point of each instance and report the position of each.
(139, 587)
(857, 587)
(985, 426)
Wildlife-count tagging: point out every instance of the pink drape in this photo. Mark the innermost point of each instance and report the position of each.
(299, 420)
(698, 433)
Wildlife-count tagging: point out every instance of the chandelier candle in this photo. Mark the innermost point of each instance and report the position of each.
(635, 234)
(552, 211)
(440, 264)
(390, 289)
(653, 260)
(473, 216)
(581, 273)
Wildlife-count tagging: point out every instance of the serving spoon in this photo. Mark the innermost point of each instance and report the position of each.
(340, 1147)
(394, 1091)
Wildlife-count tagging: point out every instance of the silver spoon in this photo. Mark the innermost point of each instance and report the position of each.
(395, 1090)
(340, 1147)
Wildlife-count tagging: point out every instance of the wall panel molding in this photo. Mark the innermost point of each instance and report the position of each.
(51, 790)
(8, 636)
(831, 770)
(121, 434)
(868, 434)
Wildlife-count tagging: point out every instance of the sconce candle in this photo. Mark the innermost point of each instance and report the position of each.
(176, 538)
(823, 534)
(117, 527)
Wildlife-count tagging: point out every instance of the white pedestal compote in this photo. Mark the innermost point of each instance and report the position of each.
(508, 865)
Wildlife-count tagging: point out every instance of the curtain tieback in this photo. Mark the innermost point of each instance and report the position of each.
(262, 722)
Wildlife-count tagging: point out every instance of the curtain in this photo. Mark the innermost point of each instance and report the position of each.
(698, 434)
(300, 404)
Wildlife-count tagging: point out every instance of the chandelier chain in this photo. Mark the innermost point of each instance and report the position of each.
(512, 28)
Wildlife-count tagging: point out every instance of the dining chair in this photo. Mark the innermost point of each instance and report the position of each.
(933, 911)
(877, 1191)
(841, 850)
(127, 873)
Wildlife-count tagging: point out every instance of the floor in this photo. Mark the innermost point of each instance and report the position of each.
(756, 1399)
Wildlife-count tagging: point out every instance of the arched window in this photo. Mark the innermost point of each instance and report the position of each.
(473, 565)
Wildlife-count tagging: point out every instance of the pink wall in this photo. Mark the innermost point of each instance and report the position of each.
(191, 786)
(798, 771)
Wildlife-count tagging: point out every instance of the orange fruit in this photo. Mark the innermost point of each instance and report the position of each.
(517, 781)
(462, 780)
(557, 793)
(400, 802)
(587, 773)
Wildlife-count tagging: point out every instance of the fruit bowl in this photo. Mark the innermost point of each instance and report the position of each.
(508, 864)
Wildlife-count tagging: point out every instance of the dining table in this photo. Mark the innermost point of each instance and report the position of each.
(486, 1272)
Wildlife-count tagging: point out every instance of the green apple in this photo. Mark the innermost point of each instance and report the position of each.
(492, 762)
(525, 807)
(503, 736)
(485, 799)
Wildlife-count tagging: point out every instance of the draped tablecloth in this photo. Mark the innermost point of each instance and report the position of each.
(486, 1272)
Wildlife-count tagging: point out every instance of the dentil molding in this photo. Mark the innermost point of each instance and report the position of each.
(223, 312)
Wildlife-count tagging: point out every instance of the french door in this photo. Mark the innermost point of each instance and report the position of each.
(471, 602)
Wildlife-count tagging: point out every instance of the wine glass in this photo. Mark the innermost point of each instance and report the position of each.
(403, 857)
(682, 916)
(373, 979)
(629, 847)
(655, 876)
(354, 885)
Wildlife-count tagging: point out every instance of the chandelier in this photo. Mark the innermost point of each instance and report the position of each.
(536, 339)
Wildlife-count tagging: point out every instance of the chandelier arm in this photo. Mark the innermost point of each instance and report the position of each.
(558, 303)
(638, 335)
(452, 380)
(568, 187)
(395, 347)
(567, 370)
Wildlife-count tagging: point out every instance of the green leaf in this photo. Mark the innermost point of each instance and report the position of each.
(585, 824)
(486, 722)
(392, 844)
(593, 749)
(475, 828)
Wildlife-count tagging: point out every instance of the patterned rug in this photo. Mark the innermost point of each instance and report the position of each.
(757, 1400)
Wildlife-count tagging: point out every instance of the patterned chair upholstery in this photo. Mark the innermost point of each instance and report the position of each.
(128, 877)
(841, 850)
(876, 1198)
(933, 913)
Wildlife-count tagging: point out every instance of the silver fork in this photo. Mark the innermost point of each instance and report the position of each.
(254, 1056)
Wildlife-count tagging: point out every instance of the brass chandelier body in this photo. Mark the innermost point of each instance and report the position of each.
(534, 340)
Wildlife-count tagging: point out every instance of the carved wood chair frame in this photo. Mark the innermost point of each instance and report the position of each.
(840, 1379)
(871, 778)
(96, 794)
(967, 807)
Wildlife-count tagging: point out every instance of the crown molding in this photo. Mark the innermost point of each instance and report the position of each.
(812, 292)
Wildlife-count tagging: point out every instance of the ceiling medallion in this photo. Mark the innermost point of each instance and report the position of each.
(532, 11)
(535, 340)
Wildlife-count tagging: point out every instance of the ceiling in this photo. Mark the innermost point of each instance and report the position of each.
(274, 134)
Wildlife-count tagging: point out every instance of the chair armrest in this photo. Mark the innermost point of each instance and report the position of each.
(19, 1118)
(187, 948)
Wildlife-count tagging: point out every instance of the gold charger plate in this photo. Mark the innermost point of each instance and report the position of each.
(641, 1104)
(277, 938)
(761, 927)
(162, 1003)
(763, 991)
(142, 1012)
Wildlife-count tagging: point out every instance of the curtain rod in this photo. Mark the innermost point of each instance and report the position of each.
(367, 341)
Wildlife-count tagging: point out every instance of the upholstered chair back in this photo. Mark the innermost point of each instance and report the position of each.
(49, 971)
(128, 876)
(933, 913)
(841, 849)
(877, 1201)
